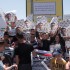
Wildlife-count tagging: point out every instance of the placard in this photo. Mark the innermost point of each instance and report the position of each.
(10, 17)
(44, 8)
(3, 25)
(2, 22)
(54, 20)
(64, 24)
(68, 31)
(49, 8)
(20, 23)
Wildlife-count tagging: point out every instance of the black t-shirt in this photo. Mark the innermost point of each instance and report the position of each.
(46, 45)
(24, 53)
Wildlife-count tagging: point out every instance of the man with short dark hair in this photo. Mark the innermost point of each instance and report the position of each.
(23, 53)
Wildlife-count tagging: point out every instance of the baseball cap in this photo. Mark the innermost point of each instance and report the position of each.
(57, 52)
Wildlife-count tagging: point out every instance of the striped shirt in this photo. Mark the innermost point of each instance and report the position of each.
(9, 51)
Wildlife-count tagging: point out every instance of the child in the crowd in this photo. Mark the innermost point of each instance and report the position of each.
(57, 62)
(2, 66)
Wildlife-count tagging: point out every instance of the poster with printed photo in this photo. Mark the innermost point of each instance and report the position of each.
(3, 25)
(68, 31)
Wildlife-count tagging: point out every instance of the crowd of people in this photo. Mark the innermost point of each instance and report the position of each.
(16, 47)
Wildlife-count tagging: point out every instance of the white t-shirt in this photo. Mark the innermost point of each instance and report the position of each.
(57, 46)
(12, 32)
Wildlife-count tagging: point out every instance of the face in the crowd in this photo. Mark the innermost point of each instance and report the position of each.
(40, 25)
(51, 34)
(32, 32)
(40, 35)
(45, 36)
(64, 31)
(32, 38)
(6, 37)
(57, 39)
(2, 47)
(27, 23)
(52, 25)
(20, 39)
(18, 30)
(13, 24)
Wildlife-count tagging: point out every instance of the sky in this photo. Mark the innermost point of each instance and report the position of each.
(20, 7)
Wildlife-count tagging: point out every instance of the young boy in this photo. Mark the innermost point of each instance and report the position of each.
(57, 62)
